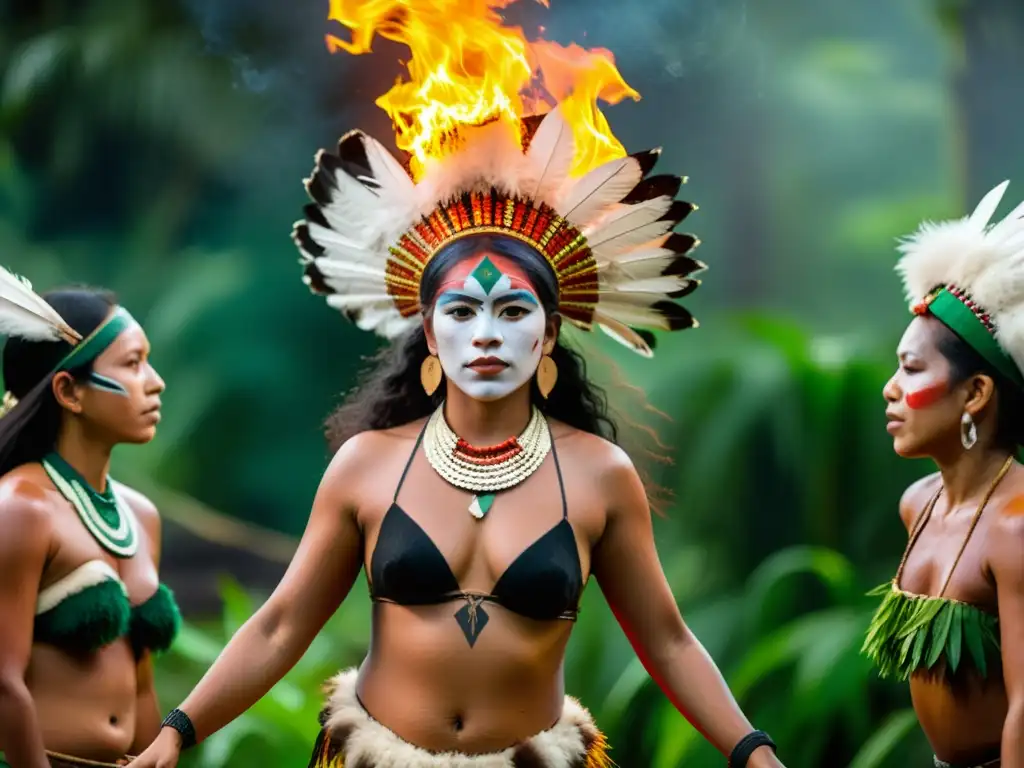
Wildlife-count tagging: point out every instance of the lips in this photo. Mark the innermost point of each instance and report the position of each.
(894, 422)
(488, 366)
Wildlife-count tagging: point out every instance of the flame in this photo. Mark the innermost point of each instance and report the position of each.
(467, 68)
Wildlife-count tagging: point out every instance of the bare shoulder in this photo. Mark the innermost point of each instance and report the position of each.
(359, 460)
(605, 462)
(916, 498)
(25, 507)
(1007, 535)
(363, 451)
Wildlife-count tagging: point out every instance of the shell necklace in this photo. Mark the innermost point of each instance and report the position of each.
(485, 471)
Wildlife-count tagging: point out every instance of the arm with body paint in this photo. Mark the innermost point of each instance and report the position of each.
(627, 567)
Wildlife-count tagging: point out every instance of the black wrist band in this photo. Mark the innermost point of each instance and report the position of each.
(742, 751)
(181, 722)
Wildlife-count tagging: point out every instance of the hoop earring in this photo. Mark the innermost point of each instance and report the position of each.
(968, 431)
(430, 374)
(547, 375)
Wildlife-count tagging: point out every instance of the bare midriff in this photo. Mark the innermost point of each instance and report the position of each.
(422, 681)
(962, 720)
(85, 704)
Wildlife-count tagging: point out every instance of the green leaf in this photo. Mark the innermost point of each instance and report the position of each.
(879, 747)
(939, 633)
(974, 640)
(956, 630)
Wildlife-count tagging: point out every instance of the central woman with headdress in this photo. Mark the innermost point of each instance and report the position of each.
(476, 477)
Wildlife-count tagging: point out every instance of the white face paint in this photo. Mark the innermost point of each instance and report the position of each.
(489, 342)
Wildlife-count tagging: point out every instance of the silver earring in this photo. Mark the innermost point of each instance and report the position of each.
(968, 431)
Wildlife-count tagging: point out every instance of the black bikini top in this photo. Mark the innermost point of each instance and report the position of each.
(544, 582)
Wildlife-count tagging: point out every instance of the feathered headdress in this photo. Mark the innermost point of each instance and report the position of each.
(26, 315)
(559, 183)
(969, 273)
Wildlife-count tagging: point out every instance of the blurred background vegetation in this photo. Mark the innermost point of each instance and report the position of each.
(158, 148)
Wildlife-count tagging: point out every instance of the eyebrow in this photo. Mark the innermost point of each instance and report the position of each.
(526, 296)
(450, 297)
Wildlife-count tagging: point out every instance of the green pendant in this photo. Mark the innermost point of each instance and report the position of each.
(481, 505)
(106, 517)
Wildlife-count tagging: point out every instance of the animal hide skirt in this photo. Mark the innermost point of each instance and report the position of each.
(350, 738)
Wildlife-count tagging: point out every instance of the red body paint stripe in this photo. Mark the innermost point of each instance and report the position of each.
(927, 396)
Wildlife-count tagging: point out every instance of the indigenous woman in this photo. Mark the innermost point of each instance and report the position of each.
(475, 481)
(952, 619)
(82, 606)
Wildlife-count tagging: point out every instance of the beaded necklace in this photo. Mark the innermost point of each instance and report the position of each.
(106, 517)
(485, 471)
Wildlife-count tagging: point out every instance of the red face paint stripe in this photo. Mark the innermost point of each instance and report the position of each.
(928, 396)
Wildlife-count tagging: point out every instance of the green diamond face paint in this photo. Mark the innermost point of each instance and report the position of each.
(489, 328)
(486, 274)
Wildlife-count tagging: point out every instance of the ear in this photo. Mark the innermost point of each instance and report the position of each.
(428, 331)
(67, 392)
(551, 331)
(981, 390)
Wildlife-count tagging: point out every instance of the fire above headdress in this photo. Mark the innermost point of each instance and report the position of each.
(561, 184)
(969, 273)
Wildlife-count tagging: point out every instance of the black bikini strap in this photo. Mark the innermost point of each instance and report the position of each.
(558, 471)
(401, 480)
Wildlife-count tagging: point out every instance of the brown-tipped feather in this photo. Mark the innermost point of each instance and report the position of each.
(654, 186)
(310, 247)
(647, 159)
(315, 279)
(314, 215)
(684, 265)
(680, 242)
(352, 154)
(680, 210)
(687, 288)
(677, 316)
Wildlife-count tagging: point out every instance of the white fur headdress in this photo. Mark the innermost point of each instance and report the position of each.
(970, 274)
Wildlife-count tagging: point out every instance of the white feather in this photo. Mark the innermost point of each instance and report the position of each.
(623, 334)
(550, 155)
(26, 315)
(987, 261)
(662, 285)
(395, 184)
(630, 239)
(987, 207)
(602, 187)
(627, 219)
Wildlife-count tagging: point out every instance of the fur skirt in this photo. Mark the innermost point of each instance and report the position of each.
(350, 738)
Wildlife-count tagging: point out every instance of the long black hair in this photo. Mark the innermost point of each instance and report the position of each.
(965, 362)
(29, 431)
(389, 394)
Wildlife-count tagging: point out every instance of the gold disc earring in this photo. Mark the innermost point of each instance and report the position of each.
(547, 375)
(430, 374)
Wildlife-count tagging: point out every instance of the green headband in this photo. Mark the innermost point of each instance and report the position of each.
(96, 343)
(965, 323)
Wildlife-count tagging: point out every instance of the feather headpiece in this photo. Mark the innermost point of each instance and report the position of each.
(26, 315)
(969, 273)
